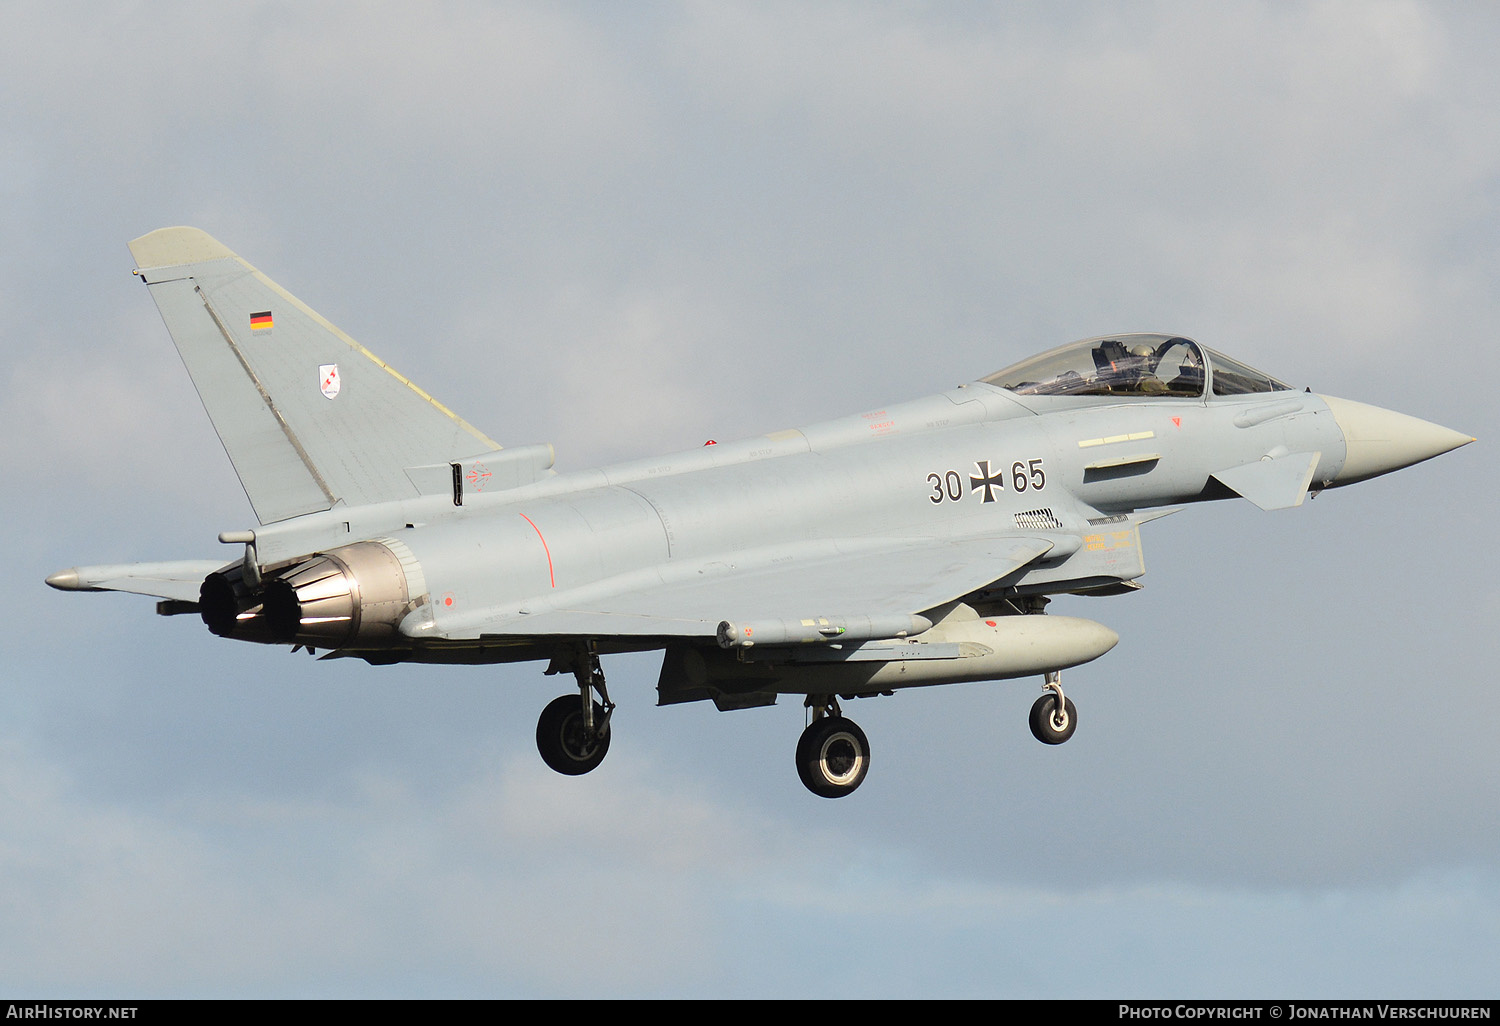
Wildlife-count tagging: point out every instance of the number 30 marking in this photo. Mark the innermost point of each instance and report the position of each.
(949, 486)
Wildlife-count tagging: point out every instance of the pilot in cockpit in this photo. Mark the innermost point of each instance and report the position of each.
(1142, 365)
(1140, 371)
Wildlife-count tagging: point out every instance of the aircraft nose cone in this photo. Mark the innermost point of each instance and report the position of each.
(1379, 441)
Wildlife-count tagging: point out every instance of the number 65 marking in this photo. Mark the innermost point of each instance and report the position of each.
(1019, 475)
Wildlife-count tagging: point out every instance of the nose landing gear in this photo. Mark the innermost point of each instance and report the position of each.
(1053, 718)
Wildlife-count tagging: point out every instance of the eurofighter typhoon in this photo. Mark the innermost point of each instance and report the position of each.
(391, 530)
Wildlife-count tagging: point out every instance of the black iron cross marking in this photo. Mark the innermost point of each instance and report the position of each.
(991, 483)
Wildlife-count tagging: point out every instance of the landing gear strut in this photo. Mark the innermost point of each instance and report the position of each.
(572, 733)
(1053, 718)
(833, 754)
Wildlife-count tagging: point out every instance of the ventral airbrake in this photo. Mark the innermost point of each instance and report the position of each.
(913, 545)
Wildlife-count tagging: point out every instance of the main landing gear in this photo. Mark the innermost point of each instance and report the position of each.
(572, 734)
(833, 754)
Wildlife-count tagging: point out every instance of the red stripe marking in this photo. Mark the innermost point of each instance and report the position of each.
(538, 530)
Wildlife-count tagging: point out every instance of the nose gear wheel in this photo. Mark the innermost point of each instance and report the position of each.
(1053, 718)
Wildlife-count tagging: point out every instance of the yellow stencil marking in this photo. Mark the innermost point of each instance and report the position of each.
(1136, 437)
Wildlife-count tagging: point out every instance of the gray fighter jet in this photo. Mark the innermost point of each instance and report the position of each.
(911, 545)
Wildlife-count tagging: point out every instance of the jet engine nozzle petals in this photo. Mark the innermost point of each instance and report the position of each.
(1378, 441)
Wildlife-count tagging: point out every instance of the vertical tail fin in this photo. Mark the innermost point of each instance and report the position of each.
(308, 416)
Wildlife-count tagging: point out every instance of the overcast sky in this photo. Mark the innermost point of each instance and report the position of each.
(625, 229)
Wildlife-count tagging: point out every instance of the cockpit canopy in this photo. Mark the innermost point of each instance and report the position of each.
(1139, 365)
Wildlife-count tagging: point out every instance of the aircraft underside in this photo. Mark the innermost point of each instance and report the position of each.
(335, 605)
(832, 753)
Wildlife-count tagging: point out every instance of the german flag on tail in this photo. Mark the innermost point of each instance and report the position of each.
(261, 321)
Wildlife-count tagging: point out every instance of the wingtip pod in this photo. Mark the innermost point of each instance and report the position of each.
(174, 579)
(169, 247)
(66, 580)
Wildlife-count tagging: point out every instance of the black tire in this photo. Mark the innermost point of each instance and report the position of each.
(560, 737)
(1046, 726)
(833, 756)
